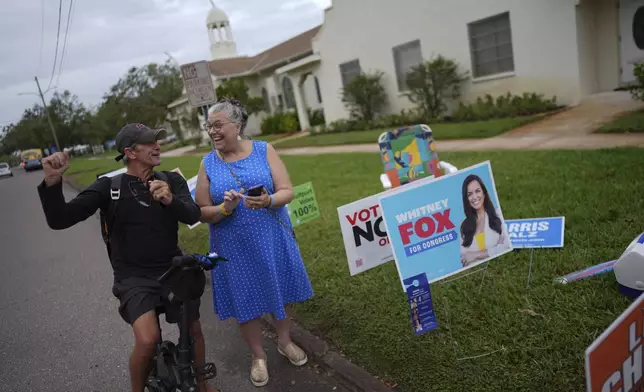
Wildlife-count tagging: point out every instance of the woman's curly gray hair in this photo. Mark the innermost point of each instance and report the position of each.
(235, 111)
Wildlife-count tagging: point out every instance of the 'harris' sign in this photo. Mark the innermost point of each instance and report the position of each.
(536, 232)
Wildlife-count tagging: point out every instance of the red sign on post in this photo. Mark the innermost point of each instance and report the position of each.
(614, 359)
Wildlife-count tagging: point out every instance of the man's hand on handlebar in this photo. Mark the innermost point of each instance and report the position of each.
(206, 262)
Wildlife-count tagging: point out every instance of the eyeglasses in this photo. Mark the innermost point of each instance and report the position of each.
(141, 193)
(216, 126)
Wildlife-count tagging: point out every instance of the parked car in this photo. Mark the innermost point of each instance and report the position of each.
(33, 164)
(5, 170)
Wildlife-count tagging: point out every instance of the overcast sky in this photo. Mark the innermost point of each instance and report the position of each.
(107, 37)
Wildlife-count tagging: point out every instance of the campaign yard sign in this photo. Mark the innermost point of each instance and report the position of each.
(364, 234)
(537, 232)
(421, 308)
(442, 226)
(614, 359)
(304, 206)
(113, 173)
(192, 187)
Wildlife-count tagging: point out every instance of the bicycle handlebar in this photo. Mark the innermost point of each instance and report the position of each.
(196, 260)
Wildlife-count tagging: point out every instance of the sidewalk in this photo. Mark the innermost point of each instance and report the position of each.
(524, 142)
(185, 150)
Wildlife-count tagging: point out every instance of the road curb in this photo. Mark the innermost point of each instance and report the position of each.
(73, 184)
(346, 372)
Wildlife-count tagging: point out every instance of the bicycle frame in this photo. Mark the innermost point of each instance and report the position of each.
(186, 348)
(177, 372)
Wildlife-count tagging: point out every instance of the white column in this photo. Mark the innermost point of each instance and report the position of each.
(229, 32)
(300, 105)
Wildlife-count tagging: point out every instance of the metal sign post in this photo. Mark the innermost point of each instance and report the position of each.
(198, 83)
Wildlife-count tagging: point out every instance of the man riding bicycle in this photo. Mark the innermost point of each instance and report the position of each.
(143, 237)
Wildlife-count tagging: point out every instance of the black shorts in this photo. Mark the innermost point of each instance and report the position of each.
(139, 295)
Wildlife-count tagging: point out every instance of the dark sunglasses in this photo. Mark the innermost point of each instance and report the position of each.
(141, 193)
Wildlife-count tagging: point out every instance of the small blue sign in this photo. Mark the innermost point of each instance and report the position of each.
(536, 232)
(421, 308)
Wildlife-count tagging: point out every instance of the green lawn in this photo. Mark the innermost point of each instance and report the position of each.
(271, 138)
(266, 138)
(631, 122)
(543, 331)
(443, 131)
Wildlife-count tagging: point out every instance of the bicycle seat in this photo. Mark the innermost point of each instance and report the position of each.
(185, 283)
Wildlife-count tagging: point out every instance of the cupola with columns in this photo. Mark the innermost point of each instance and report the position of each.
(222, 43)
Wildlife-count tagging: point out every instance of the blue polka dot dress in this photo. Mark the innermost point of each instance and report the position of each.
(264, 270)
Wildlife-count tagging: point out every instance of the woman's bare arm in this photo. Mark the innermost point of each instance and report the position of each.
(209, 212)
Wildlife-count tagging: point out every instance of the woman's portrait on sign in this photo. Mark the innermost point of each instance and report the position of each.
(483, 232)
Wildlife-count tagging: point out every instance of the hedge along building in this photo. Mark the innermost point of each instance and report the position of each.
(264, 74)
(570, 49)
(565, 48)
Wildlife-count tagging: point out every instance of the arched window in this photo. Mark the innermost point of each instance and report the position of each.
(287, 89)
(267, 103)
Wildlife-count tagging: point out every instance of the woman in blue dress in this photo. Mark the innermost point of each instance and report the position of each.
(264, 272)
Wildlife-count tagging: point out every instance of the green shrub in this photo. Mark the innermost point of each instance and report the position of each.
(196, 141)
(484, 108)
(364, 96)
(316, 117)
(404, 118)
(637, 90)
(487, 107)
(283, 122)
(432, 83)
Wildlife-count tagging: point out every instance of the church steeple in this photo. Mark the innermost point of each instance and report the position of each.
(222, 43)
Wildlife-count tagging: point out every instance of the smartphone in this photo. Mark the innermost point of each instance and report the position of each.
(255, 190)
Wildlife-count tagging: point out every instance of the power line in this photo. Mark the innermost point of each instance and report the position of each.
(60, 12)
(42, 33)
(62, 56)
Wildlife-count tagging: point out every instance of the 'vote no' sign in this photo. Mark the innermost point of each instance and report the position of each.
(365, 237)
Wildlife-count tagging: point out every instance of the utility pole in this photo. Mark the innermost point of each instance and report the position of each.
(51, 124)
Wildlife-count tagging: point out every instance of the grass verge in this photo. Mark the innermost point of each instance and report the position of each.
(443, 131)
(535, 337)
(628, 123)
(266, 138)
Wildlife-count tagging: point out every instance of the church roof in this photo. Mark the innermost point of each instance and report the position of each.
(291, 49)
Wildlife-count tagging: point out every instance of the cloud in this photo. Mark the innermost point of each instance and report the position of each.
(107, 38)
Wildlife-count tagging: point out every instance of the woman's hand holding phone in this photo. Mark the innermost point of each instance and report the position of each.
(258, 202)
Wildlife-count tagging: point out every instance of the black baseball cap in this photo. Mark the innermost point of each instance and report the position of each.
(135, 133)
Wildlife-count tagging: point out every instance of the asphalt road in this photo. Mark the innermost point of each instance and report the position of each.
(59, 326)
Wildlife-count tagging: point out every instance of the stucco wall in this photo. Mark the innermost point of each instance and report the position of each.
(544, 36)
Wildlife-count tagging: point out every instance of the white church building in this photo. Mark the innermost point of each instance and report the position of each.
(565, 48)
